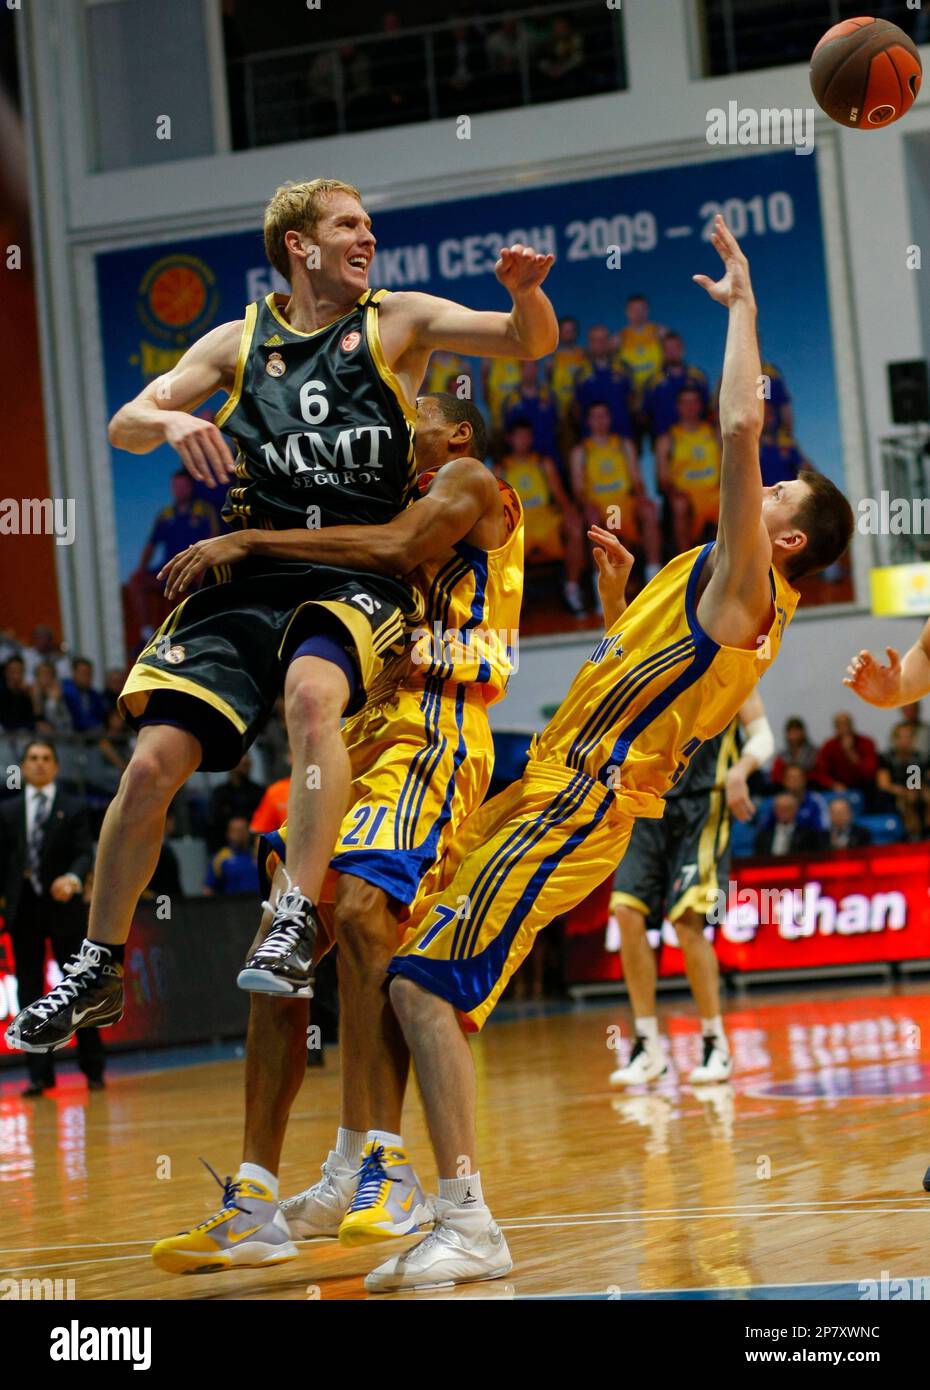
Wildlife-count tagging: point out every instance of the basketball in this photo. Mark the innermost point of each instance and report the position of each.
(865, 73)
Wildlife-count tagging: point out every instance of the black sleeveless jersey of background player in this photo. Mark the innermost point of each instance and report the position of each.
(319, 422)
(709, 765)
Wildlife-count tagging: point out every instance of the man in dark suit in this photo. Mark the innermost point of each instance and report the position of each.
(843, 832)
(784, 836)
(45, 855)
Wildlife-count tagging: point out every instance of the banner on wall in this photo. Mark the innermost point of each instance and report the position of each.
(643, 233)
(848, 908)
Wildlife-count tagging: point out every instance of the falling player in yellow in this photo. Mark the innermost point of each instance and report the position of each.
(671, 671)
(421, 757)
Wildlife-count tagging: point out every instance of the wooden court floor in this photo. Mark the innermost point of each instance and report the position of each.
(805, 1170)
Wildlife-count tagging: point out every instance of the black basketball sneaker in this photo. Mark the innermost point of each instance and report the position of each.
(89, 996)
(283, 963)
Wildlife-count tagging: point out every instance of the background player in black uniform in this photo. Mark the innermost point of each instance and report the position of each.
(321, 385)
(676, 867)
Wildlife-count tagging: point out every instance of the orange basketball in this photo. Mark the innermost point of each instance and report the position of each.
(865, 73)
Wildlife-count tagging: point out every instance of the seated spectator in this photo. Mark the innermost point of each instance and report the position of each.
(43, 647)
(106, 760)
(812, 809)
(113, 683)
(166, 880)
(398, 68)
(271, 812)
(9, 646)
(688, 471)
(562, 368)
(86, 705)
(660, 393)
(233, 869)
(238, 796)
(552, 528)
(563, 62)
(507, 52)
(499, 377)
(48, 701)
(911, 715)
(848, 761)
(843, 832)
(460, 68)
(784, 836)
(797, 749)
(448, 371)
(16, 708)
(902, 780)
(533, 401)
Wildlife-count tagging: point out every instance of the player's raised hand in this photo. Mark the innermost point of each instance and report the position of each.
(735, 283)
(876, 684)
(520, 269)
(201, 447)
(614, 563)
(187, 568)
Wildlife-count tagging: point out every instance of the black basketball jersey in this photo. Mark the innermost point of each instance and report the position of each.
(709, 765)
(323, 434)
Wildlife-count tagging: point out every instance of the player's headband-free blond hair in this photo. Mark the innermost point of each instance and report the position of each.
(297, 207)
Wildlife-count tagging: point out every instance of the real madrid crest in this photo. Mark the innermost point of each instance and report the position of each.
(275, 366)
(175, 655)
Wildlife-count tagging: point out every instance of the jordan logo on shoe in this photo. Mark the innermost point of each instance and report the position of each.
(468, 1200)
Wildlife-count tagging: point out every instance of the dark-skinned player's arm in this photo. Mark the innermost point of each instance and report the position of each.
(530, 330)
(161, 413)
(898, 683)
(614, 563)
(743, 551)
(460, 494)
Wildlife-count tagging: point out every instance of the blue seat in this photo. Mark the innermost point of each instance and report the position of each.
(885, 829)
(743, 838)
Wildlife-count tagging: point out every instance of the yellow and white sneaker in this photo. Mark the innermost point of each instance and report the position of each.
(247, 1232)
(389, 1201)
(464, 1246)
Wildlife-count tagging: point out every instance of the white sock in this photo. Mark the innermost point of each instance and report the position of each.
(713, 1028)
(385, 1137)
(253, 1172)
(647, 1028)
(464, 1192)
(349, 1145)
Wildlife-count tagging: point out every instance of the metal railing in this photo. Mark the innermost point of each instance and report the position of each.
(746, 35)
(382, 79)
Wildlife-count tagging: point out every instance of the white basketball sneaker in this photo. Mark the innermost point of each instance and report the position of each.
(717, 1064)
(464, 1246)
(318, 1210)
(647, 1063)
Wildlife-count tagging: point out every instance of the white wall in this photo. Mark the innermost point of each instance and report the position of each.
(867, 193)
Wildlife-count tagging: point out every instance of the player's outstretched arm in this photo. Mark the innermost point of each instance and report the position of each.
(898, 683)
(161, 413)
(529, 330)
(614, 563)
(743, 553)
(461, 493)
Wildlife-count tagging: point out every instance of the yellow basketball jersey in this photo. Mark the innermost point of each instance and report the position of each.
(640, 349)
(528, 479)
(606, 468)
(472, 598)
(566, 363)
(656, 686)
(694, 458)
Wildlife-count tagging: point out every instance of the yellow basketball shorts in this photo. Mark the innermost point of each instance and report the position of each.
(420, 765)
(530, 854)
